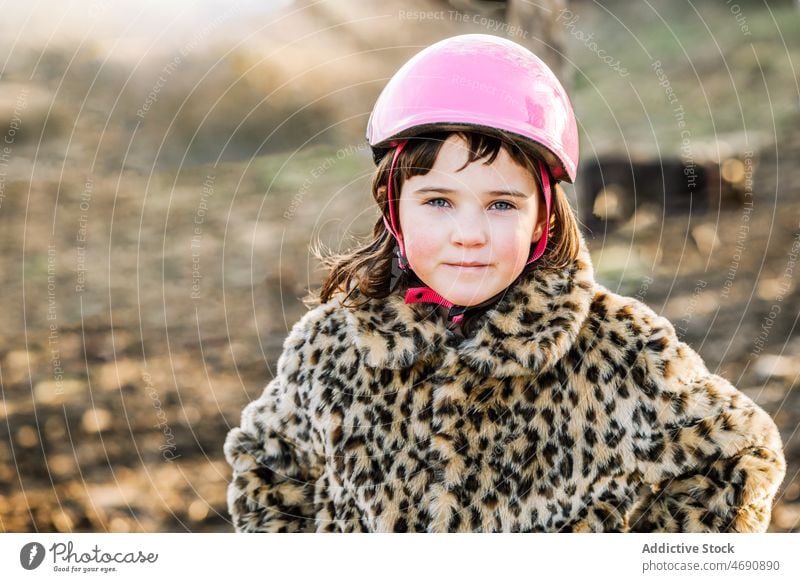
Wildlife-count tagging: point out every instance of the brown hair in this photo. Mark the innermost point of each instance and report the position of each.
(366, 271)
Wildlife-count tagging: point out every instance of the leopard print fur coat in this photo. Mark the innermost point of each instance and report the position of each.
(568, 408)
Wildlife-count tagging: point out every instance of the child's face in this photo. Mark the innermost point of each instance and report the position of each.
(450, 219)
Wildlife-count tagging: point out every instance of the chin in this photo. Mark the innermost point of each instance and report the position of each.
(467, 299)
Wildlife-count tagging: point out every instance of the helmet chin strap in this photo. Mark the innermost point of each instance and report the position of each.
(426, 294)
(401, 255)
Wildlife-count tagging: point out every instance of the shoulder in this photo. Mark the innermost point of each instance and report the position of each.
(613, 309)
(617, 313)
(620, 324)
(323, 321)
(329, 332)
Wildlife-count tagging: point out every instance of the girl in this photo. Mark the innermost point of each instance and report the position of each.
(465, 372)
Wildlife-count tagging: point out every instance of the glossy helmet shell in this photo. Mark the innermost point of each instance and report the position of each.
(479, 81)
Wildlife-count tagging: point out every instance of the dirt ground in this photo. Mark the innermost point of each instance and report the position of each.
(144, 304)
(116, 415)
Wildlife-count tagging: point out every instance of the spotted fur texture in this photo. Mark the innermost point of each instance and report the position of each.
(568, 408)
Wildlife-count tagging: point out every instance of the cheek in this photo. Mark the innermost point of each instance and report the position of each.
(513, 245)
(420, 232)
(421, 243)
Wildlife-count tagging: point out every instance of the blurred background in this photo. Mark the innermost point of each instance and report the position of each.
(165, 166)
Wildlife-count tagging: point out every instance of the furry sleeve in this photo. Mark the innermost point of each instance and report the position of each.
(274, 466)
(712, 458)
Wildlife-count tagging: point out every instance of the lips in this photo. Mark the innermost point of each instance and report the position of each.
(467, 264)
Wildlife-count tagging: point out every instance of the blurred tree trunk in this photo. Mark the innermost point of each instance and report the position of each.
(532, 23)
(545, 35)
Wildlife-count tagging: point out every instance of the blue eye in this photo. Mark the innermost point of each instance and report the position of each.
(508, 205)
(433, 202)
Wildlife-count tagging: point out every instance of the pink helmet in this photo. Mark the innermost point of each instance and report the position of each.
(479, 80)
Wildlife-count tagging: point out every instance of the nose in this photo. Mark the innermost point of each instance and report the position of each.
(471, 228)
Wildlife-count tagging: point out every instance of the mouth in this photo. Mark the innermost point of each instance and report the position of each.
(467, 265)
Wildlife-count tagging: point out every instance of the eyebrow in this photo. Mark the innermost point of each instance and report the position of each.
(513, 193)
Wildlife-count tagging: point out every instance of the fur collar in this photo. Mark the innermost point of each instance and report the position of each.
(532, 326)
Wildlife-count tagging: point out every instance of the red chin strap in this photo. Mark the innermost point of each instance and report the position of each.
(426, 294)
